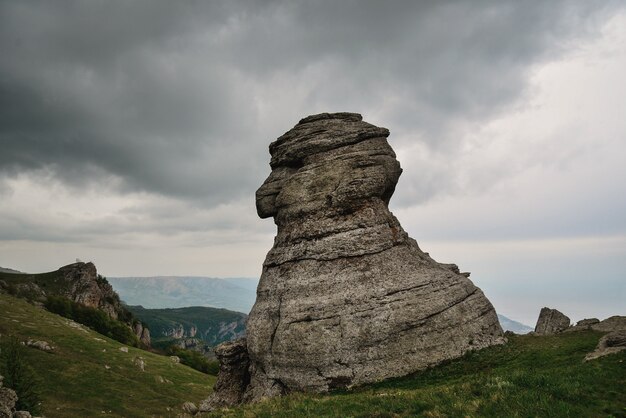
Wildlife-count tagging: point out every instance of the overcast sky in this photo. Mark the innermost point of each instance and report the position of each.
(134, 134)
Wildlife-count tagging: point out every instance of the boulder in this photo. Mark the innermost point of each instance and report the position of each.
(346, 297)
(233, 377)
(8, 398)
(611, 343)
(190, 408)
(587, 323)
(22, 414)
(140, 363)
(551, 321)
(40, 345)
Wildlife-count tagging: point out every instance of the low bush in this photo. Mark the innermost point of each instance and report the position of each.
(19, 375)
(195, 360)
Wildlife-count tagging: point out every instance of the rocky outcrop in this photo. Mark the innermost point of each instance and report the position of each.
(611, 343)
(346, 297)
(83, 285)
(143, 333)
(613, 323)
(8, 399)
(587, 323)
(233, 377)
(551, 321)
(197, 325)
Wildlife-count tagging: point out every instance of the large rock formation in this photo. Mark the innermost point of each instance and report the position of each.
(80, 283)
(346, 297)
(551, 321)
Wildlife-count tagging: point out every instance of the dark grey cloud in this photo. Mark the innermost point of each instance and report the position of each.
(177, 99)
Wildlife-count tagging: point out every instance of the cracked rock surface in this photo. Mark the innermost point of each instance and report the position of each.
(551, 321)
(346, 297)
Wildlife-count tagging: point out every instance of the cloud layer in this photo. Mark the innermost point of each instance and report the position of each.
(137, 130)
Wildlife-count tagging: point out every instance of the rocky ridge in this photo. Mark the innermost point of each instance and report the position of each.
(346, 297)
(80, 283)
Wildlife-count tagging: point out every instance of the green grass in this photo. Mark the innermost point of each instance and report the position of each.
(528, 377)
(50, 282)
(75, 381)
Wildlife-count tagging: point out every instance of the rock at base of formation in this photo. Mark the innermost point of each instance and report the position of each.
(233, 377)
(346, 297)
(551, 321)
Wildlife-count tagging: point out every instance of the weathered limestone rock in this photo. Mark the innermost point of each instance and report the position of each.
(190, 408)
(140, 363)
(346, 297)
(587, 322)
(613, 323)
(233, 377)
(40, 345)
(143, 333)
(611, 343)
(8, 398)
(551, 321)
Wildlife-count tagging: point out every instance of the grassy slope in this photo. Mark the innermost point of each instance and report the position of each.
(75, 382)
(528, 377)
(49, 282)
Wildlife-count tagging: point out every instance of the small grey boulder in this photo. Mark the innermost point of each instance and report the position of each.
(190, 408)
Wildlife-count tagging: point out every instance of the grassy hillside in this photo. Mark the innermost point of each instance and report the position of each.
(528, 377)
(51, 282)
(213, 325)
(87, 375)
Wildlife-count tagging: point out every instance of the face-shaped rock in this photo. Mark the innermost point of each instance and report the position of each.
(346, 297)
(328, 163)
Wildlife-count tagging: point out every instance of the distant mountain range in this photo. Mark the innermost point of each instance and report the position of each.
(235, 294)
(514, 326)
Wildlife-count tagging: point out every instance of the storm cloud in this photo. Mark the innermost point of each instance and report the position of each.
(144, 125)
(182, 100)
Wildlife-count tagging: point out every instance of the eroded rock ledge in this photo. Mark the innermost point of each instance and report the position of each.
(346, 296)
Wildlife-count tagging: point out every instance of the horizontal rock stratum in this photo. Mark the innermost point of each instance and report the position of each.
(346, 297)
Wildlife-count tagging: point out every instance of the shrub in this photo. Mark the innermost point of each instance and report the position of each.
(19, 375)
(195, 360)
